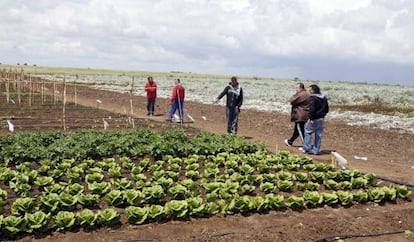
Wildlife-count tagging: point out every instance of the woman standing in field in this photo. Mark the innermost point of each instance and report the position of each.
(151, 89)
(234, 95)
(299, 113)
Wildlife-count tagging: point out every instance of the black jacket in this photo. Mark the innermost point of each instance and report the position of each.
(318, 106)
(234, 98)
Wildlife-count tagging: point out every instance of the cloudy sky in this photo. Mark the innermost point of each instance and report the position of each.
(346, 40)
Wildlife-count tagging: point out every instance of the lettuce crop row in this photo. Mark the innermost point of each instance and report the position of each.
(79, 180)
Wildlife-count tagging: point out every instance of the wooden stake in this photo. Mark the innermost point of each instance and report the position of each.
(130, 97)
(64, 104)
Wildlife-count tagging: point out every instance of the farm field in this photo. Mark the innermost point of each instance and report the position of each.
(389, 154)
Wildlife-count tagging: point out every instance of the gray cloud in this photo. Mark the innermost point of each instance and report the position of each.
(363, 40)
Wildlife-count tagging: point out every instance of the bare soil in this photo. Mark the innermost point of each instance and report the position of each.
(389, 153)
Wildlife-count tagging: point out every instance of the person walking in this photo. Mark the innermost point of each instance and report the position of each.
(318, 108)
(151, 89)
(299, 113)
(177, 101)
(234, 96)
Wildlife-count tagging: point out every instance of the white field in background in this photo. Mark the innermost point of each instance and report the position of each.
(272, 95)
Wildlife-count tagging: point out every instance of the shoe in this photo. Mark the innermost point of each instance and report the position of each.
(288, 143)
(168, 120)
(148, 114)
(305, 151)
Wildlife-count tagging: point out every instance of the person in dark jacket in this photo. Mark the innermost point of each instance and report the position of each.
(234, 96)
(299, 113)
(318, 108)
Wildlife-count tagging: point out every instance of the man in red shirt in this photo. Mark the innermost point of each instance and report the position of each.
(151, 89)
(177, 101)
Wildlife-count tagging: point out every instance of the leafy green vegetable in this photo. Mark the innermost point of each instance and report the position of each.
(153, 194)
(285, 185)
(196, 207)
(136, 215)
(403, 191)
(108, 217)
(330, 198)
(99, 188)
(88, 200)
(267, 187)
(345, 197)
(86, 218)
(239, 204)
(312, 198)
(64, 220)
(295, 202)
(133, 197)
(67, 201)
(50, 202)
(155, 212)
(14, 224)
(176, 208)
(115, 198)
(360, 196)
(22, 205)
(37, 222)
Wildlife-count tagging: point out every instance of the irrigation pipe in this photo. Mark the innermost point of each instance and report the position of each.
(347, 236)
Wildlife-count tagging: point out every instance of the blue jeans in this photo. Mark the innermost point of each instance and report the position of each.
(313, 126)
(177, 104)
(232, 114)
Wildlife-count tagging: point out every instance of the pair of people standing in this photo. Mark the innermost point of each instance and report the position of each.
(308, 112)
(177, 98)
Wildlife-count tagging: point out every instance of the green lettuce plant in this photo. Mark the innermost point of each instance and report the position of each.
(115, 198)
(37, 222)
(14, 224)
(64, 220)
(22, 205)
(133, 197)
(86, 218)
(136, 215)
(156, 212)
(176, 208)
(109, 217)
(50, 203)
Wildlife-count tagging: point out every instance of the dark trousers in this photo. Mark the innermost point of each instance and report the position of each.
(298, 131)
(150, 105)
(232, 114)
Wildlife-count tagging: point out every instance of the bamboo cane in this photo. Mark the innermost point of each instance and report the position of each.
(64, 104)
